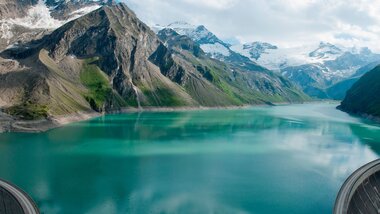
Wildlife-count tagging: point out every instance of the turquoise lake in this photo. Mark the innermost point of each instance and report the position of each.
(260, 160)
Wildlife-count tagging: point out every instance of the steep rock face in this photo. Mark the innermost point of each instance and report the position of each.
(363, 97)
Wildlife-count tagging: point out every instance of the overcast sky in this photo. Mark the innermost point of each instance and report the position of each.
(281, 22)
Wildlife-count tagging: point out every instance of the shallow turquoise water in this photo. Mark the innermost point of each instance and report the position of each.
(284, 159)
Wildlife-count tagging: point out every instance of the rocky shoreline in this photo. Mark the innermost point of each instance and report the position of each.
(9, 124)
(361, 115)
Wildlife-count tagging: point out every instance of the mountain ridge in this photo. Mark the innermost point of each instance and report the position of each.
(108, 60)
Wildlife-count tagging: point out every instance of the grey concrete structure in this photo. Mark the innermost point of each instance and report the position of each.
(15, 201)
(360, 194)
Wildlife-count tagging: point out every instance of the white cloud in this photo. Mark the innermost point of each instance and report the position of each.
(282, 22)
(214, 4)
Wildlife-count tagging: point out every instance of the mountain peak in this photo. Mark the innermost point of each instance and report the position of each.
(180, 24)
(254, 50)
(209, 42)
(260, 46)
(326, 50)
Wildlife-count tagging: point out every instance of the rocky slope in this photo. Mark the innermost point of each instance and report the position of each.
(108, 60)
(238, 84)
(363, 98)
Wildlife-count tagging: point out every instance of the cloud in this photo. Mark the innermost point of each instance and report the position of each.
(282, 22)
(213, 4)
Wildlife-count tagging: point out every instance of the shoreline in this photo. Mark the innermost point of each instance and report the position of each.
(10, 124)
(359, 115)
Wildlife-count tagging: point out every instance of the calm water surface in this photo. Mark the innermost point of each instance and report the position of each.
(284, 159)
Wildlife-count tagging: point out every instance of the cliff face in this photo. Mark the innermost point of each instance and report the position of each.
(363, 98)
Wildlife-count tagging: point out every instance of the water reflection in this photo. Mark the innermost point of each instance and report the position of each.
(259, 160)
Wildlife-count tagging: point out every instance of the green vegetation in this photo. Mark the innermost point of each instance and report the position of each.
(28, 111)
(162, 96)
(211, 74)
(363, 97)
(97, 84)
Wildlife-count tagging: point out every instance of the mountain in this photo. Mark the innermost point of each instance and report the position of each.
(69, 9)
(15, 8)
(326, 51)
(314, 68)
(108, 60)
(210, 44)
(338, 90)
(363, 98)
(238, 84)
(24, 20)
(254, 50)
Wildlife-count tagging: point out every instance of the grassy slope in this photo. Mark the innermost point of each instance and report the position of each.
(239, 90)
(363, 97)
(99, 91)
(86, 91)
(28, 111)
(65, 92)
(338, 91)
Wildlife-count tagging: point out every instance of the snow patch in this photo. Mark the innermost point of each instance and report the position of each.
(216, 49)
(5, 29)
(277, 59)
(83, 11)
(39, 17)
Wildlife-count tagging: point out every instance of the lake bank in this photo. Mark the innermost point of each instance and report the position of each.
(10, 124)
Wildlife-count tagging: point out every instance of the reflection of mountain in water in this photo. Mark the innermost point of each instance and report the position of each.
(138, 161)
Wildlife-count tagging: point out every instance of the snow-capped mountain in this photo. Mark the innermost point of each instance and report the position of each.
(326, 51)
(24, 20)
(336, 63)
(276, 58)
(314, 67)
(71, 9)
(208, 41)
(254, 50)
(210, 44)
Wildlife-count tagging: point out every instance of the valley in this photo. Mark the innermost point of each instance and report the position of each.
(115, 106)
